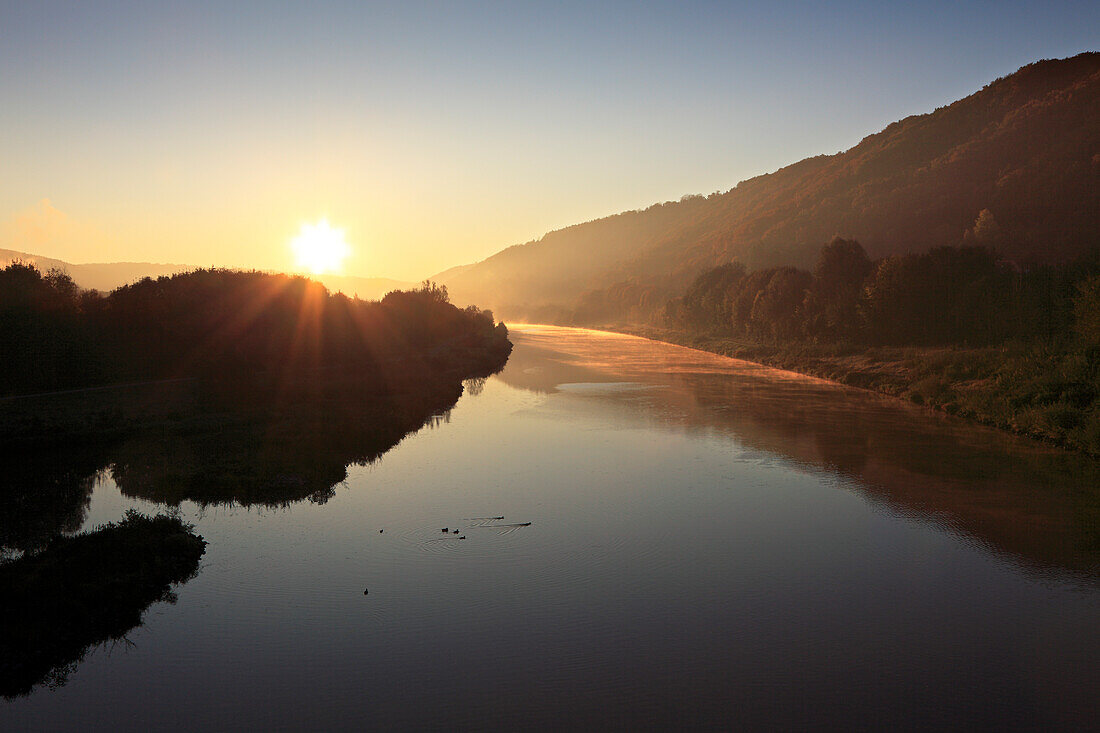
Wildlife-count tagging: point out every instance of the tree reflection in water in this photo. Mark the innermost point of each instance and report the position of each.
(276, 458)
(1035, 504)
(241, 450)
(44, 493)
(269, 457)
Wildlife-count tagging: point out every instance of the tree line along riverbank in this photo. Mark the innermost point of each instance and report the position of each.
(209, 345)
(224, 325)
(957, 329)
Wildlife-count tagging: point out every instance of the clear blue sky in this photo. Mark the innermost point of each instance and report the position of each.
(437, 134)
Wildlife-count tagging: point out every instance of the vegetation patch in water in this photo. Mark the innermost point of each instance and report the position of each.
(85, 590)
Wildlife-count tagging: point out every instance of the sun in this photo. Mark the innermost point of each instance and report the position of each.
(319, 248)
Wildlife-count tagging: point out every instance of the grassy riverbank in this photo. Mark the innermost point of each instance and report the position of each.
(1033, 389)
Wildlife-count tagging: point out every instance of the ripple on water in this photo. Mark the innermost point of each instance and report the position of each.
(479, 539)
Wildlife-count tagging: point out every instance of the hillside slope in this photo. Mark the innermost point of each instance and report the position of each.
(1026, 147)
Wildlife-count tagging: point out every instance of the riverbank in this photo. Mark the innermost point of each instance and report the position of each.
(1031, 389)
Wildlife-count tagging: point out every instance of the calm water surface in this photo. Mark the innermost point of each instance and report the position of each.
(711, 544)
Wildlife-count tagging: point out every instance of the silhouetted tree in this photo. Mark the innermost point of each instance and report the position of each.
(44, 345)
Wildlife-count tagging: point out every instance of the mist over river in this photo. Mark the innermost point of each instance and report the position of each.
(647, 536)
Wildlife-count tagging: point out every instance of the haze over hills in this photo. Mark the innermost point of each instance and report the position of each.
(1026, 147)
(94, 276)
(106, 276)
(367, 288)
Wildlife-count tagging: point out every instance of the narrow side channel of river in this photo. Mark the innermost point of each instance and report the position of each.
(647, 536)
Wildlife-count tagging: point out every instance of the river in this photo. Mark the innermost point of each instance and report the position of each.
(649, 536)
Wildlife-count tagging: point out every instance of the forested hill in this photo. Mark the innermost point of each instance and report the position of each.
(1026, 147)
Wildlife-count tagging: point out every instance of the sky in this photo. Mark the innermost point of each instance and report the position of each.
(437, 134)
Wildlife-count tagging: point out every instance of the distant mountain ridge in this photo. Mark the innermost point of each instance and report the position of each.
(1026, 147)
(97, 275)
(106, 276)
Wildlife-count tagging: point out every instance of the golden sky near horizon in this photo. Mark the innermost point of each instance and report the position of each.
(436, 134)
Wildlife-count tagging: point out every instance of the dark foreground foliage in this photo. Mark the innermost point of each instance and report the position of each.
(86, 590)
